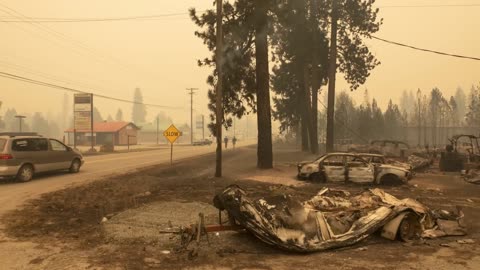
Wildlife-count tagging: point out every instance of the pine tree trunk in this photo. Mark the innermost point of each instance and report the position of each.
(264, 148)
(313, 139)
(331, 80)
(315, 76)
(304, 132)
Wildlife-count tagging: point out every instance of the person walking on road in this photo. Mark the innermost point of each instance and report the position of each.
(225, 140)
(234, 141)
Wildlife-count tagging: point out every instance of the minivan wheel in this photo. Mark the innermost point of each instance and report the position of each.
(25, 173)
(75, 167)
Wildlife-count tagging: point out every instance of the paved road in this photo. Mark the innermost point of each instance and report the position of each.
(14, 194)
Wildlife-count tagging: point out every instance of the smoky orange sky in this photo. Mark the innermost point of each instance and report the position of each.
(159, 56)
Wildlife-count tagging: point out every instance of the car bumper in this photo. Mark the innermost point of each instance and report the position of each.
(6, 171)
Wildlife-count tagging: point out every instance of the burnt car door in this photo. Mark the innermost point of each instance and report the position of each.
(334, 168)
(359, 170)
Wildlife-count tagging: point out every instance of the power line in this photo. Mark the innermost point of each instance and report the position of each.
(431, 6)
(48, 76)
(73, 90)
(159, 16)
(80, 46)
(426, 50)
(105, 19)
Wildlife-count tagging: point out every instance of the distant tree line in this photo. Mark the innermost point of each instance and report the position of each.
(417, 110)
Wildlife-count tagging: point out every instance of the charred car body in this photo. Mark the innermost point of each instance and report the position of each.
(463, 152)
(334, 218)
(349, 167)
(379, 159)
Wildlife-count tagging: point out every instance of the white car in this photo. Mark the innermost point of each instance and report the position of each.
(349, 167)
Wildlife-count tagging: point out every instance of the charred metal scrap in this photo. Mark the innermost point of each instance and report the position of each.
(334, 218)
(417, 163)
(472, 176)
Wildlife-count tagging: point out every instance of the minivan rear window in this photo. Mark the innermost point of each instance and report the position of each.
(24, 145)
(2, 144)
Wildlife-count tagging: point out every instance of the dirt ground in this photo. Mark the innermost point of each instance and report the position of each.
(64, 229)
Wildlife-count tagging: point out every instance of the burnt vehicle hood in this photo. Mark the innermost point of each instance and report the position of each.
(331, 219)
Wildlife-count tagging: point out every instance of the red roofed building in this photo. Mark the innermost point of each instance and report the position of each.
(116, 133)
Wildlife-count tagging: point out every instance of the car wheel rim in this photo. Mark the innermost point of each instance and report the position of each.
(26, 173)
(75, 166)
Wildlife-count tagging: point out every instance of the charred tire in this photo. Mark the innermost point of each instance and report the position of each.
(318, 177)
(390, 179)
(25, 173)
(410, 228)
(75, 167)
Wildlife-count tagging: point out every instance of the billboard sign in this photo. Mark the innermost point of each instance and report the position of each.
(83, 111)
(83, 120)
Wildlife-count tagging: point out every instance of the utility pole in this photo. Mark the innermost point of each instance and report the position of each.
(219, 94)
(332, 69)
(191, 93)
(20, 118)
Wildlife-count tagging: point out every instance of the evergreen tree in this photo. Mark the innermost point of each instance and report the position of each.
(119, 116)
(352, 22)
(139, 111)
(238, 82)
(473, 113)
(40, 124)
(345, 114)
(461, 101)
(264, 146)
(2, 123)
(11, 123)
(378, 122)
(393, 122)
(245, 70)
(301, 52)
(435, 112)
(97, 116)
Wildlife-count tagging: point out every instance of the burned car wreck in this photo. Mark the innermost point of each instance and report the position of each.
(334, 218)
(350, 167)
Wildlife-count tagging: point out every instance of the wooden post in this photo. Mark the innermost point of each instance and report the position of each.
(91, 124)
(171, 153)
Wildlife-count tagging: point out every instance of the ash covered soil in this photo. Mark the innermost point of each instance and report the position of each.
(139, 208)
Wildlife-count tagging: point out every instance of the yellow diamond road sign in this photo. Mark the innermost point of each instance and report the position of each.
(172, 134)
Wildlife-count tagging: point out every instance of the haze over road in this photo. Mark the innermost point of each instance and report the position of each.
(13, 194)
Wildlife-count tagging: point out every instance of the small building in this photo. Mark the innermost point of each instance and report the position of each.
(104, 133)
